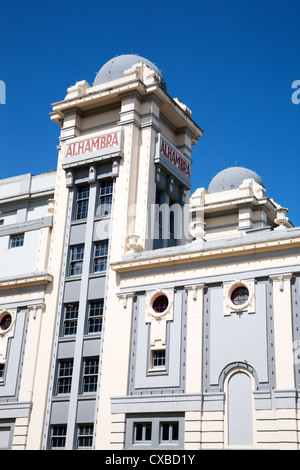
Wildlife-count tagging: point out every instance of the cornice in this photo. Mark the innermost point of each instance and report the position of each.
(27, 280)
(216, 249)
(94, 97)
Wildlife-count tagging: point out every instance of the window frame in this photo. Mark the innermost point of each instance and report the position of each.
(76, 261)
(170, 430)
(242, 298)
(81, 202)
(105, 198)
(100, 258)
(2, 371)
(72, 319)
(58, 436)
(94, 316)
(144, 440)
(89, 375)
(17, 240)
(134, 420)
(82, 436)
(64, 380)
(158, 305)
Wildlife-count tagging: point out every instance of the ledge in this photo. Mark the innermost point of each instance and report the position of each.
(39, 278)
(202, 249)
(15, 409)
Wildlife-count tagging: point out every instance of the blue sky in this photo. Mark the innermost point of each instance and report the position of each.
(231, 62)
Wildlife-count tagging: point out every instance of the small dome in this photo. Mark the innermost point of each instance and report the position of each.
(114, 69)
(232, 178)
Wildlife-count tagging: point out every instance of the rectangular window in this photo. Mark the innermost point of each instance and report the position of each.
(100, 256)
(70, 319)
(142, 432)
(169, 432)
(64, 376)
(82, 202)
(158, 359)
(76, 260)
(85, 436)
(16, 240)
(58, 437)
(172, 217)
(105, 199)
(90, 374)
(95, 316)
(2, 369)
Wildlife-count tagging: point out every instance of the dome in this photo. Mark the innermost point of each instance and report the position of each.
(114, 69)
(232, 178)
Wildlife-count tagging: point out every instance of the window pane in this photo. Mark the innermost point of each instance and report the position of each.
(139, 431)
(64, 380)
(160, 304)
(76, 260)
(240, 295)
(105, 199)
(85, 435)
(148, 428)
(165, 431)
(82, 202)
(158, 358)
(90, 374)
(2, 368)
(58, 437)
(95, 316)
(169, 431)
(17, 240)
(142, 432)
(70, 320)
(100, 256)
(174, 436)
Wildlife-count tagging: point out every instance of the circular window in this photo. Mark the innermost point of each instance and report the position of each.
(240, 295)
(160, 304)
(5, 322)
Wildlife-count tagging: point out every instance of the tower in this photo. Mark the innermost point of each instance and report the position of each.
(125, 144)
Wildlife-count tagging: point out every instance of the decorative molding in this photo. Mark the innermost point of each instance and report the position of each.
(6, 334)
(194, 288)
(158, 321)
(125, 298)
(36, 306)
(228, 288)
(281, 278)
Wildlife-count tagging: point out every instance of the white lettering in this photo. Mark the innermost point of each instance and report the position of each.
(115, 460)
(295, 99)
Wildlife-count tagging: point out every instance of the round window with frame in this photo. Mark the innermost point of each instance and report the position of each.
(239, 296)
(160, 304)
(5, 322)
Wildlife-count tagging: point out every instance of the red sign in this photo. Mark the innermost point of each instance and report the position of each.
(176, 159)
(92, 144)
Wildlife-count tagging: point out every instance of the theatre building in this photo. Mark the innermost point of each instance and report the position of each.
(144, 316)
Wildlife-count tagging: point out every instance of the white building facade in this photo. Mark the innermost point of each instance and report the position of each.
(165, 320)
(25, 229)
